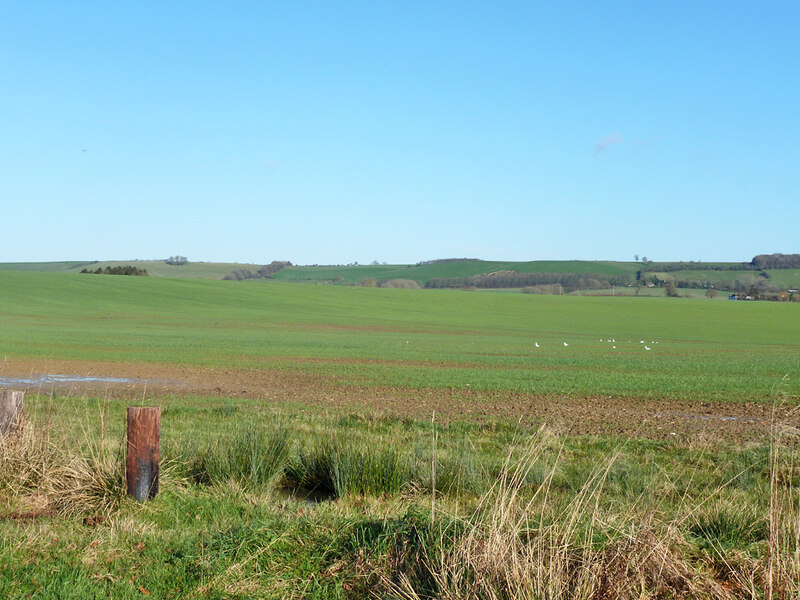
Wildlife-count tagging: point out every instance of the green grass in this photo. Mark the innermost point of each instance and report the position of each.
(506, 497)
(412, 338)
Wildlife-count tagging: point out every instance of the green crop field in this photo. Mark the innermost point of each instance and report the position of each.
(413, 338)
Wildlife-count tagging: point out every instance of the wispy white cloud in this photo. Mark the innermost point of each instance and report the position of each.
(608, 141)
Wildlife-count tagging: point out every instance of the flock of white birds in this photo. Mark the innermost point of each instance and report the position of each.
(611, 341)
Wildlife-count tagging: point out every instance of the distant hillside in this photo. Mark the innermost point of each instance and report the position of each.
(53, 267)
(451, 272)
(155, 268)
(440, 270)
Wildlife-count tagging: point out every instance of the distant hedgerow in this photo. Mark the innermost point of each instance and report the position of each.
(122, 270)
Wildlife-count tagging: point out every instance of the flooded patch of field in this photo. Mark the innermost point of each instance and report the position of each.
(51, 380)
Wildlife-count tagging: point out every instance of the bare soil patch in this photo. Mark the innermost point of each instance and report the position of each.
(599, 415)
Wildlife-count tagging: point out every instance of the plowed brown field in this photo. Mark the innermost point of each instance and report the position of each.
(602, 415)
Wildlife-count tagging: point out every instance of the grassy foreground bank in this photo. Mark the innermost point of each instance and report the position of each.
(289, 502)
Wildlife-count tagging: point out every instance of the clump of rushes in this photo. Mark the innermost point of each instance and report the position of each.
(346, 466)
(252, 456)
(459, 471)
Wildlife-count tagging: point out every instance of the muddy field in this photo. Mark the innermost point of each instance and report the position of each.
(656, 419)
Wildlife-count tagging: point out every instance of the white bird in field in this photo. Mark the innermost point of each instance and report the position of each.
(646, 348)
(536, 344)
(565, 344)
(641, 341)
(613, 346)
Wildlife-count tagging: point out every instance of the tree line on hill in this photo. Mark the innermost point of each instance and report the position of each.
(264, 272)
(569, 282)
(747, 282)
(121, 270)
(759, 263)
(776, 261)
(439, 261)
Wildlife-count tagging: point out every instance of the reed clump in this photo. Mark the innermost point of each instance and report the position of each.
(342, 466)
(251, 456)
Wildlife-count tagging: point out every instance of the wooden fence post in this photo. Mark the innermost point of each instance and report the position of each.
(10, 410)
(144, 436)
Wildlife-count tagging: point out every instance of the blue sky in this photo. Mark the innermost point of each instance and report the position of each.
(339, 132)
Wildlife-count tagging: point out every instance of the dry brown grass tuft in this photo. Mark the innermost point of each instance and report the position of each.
(520, 546)
(26, 459)
(31, 465)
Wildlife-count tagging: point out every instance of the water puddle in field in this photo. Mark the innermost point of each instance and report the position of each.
(304, 495)
(57, 380)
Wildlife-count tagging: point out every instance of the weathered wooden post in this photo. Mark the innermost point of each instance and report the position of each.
(10, 410)
(144, 436)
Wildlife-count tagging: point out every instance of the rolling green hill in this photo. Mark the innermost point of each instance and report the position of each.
(422, 273)
(350, 274)
(155, 268)
(54, 267)
(343, 273)
(192, 270)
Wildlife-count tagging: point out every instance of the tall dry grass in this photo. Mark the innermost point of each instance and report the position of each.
(523, 544)
(32, 465)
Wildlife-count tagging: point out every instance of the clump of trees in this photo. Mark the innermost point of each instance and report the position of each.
(669, 267)
(671, 290)
(446, 260)
(240, 275)
(273, 267)
(264, 272)
(121, 270)
(776, 261)
(177, 261)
